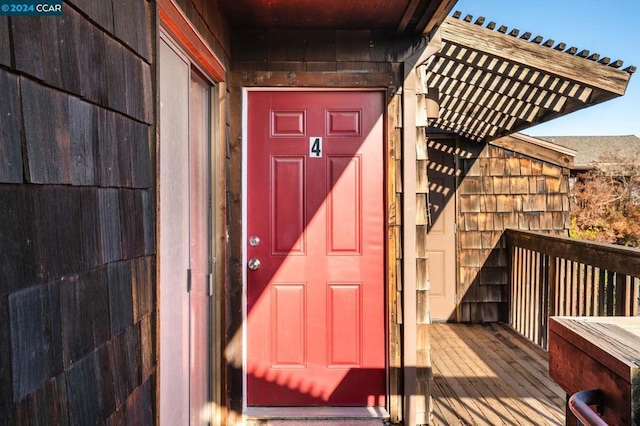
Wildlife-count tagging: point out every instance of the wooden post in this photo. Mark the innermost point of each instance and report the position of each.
(550, 297)
(409, 137)
(409, 242)
(621, 294)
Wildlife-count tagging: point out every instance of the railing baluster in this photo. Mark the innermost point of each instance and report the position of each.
(635, 298)
(530, 295)
(582, 289)
(564, 288)
(573, 307)
(521, 289)
(610, 293)
(517, 311)
(591, 290)
(628, 307)
(621, 294)
(601, 291)
(533, 319)
(549, 295)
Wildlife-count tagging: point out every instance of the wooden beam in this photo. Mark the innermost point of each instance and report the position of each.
(176, 23)
(408, 13)
(536, 148)
(433, 17)
(535, 56)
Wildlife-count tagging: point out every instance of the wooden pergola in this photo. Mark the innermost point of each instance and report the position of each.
(491, 81)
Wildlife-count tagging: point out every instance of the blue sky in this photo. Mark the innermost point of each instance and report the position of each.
(608, 27)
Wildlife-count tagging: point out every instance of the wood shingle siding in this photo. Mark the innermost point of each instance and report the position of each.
(18, 227)
(48, 146)
(125, 349)
(99, 12)
(77, 245)
(10, 118)
(131, 22)
(5, 53)
(83, 132)
(34, 314)
(48, 404)
(89, 63)
(120, 296)
(84, 309)
(499, 189)
(109, 211)
(90, 388)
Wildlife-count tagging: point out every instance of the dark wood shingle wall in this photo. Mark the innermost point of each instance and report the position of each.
(77, 242)
(501, 189)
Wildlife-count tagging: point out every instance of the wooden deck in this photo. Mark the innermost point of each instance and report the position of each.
(489, 375)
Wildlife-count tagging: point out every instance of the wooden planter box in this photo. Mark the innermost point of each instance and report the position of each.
(599, 353)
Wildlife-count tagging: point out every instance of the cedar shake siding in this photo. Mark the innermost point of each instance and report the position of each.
(500, 189)
(77, 207)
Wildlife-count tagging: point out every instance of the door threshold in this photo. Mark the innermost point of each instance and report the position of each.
(316, 415)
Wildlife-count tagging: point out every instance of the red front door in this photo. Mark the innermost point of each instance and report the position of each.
(315, 222)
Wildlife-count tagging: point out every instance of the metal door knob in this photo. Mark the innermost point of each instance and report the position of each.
(254, 264)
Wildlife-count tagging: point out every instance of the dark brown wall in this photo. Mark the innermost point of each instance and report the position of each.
(210, 24)
(77, 240)
(501, 189)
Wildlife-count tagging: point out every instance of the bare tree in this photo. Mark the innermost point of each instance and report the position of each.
(606, 205)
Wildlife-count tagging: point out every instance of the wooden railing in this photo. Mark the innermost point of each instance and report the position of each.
(553, 275)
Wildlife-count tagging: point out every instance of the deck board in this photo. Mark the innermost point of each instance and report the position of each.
(488, 375)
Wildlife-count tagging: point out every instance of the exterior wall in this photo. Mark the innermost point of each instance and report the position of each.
(326, 59)
(501, 189)
(208, 22)
(77, 243)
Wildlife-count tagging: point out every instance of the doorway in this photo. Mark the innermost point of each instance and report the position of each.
(315, 249)
(441, 229)
(186, 235)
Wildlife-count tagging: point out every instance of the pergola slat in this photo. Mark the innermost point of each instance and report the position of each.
(492, 82)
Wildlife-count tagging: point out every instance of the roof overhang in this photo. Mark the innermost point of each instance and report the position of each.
(537, 148)
(405, 17)
(491, 83)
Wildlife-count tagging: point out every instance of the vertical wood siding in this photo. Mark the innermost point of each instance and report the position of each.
(501, 189)
(77, 243)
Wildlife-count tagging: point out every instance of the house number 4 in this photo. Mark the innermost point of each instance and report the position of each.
(315, 147)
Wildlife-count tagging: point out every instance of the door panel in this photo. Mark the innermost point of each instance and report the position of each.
(344, 205)
(315, 306)
(174, 241)
(287, 187)
(185, 242)
(441, 232)
(200, 247)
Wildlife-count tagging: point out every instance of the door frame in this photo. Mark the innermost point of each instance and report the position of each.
(216, 222)
(454, 271)
(244, 179)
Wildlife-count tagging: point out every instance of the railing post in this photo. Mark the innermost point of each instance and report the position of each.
(621, 295)
(551, 297)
